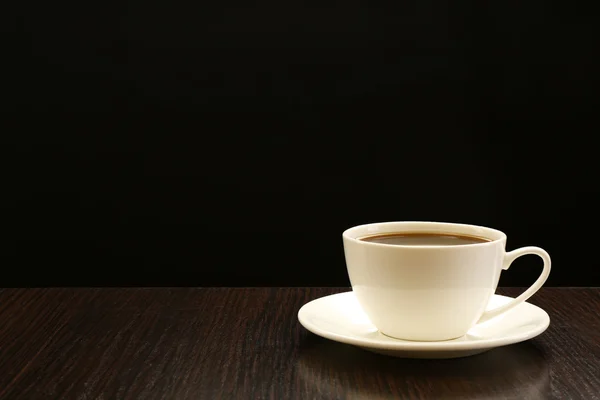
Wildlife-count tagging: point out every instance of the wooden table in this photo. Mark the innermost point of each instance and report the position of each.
(195, 343)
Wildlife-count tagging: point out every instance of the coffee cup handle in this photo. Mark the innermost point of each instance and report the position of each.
(508, 259)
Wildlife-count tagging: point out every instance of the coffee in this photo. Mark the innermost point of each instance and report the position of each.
(423, 239)
(430, 281)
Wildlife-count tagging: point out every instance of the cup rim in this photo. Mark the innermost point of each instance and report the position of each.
(494, 235)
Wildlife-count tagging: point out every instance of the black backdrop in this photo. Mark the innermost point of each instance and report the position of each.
(186, 143)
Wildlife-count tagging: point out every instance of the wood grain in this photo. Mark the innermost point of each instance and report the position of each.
(213, 343)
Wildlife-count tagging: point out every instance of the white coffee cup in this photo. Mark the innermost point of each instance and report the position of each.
(431, 292)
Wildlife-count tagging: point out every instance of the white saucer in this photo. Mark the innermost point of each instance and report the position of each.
(339, 317)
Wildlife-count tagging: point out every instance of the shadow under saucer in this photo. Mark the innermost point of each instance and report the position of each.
(335, 370)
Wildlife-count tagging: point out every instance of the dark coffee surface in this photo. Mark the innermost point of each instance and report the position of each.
(424, 239)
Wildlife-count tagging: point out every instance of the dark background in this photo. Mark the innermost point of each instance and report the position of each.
(215, 143)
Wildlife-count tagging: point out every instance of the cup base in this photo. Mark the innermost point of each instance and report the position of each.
(419, 340)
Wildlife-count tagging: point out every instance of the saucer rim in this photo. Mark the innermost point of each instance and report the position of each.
(425, 346)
